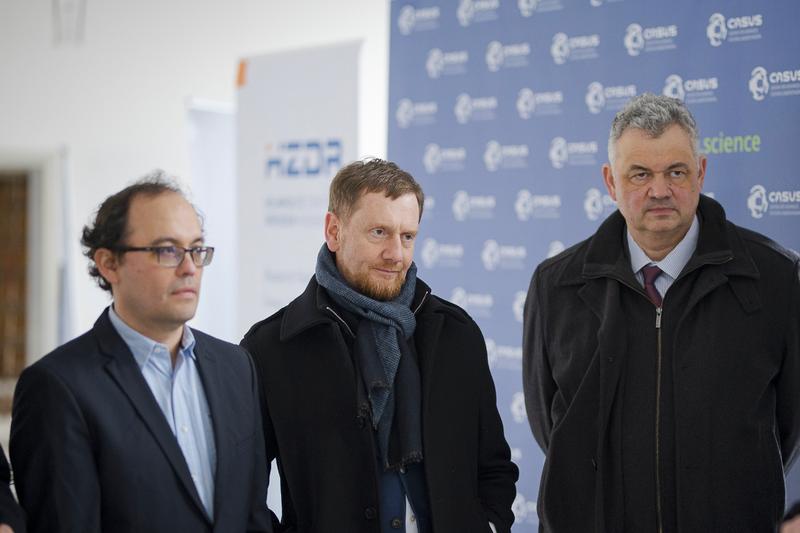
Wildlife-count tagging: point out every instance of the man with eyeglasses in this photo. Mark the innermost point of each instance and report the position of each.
(142, 423)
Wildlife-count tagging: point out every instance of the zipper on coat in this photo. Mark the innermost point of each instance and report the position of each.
(334, 313)
(658, 421)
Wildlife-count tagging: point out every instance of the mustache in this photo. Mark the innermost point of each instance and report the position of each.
(660, 204)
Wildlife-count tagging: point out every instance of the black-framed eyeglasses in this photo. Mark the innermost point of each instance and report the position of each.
(172, 256)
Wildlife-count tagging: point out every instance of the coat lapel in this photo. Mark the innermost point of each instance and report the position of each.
(125, 372)
(209, 374)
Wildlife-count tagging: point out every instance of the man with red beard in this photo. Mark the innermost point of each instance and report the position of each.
(377, 398)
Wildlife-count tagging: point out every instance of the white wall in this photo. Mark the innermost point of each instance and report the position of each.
(117, 102)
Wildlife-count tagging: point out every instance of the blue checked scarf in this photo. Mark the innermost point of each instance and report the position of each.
(384, 352)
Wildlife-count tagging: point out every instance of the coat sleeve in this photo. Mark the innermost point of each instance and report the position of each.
(269, 444)
(788, 392)
(260, 520)
(497, 474)
(537, 378)
(51, 453)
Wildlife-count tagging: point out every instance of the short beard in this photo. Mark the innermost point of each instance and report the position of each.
(378, 291)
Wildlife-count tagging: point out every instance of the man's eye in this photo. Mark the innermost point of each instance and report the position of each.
(409, 237)
(378, 232)
(677, 174)
(639, 176)
(168, 250)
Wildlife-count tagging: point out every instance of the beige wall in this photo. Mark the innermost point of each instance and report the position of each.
(117, 103)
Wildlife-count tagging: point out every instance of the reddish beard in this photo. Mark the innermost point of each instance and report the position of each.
(382, 290)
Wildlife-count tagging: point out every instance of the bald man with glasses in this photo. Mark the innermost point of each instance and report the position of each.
(142, 423)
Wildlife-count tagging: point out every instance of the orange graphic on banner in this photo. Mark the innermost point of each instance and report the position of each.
(241, 77)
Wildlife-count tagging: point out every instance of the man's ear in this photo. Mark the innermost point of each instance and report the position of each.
(108, 264)
(608, 179)
(701, 171)
(333, 228)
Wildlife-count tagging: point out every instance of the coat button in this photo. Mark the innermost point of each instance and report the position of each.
(370, 513)
(396, 523)
(360, 422)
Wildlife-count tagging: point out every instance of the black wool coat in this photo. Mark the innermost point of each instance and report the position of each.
(730, 332)
(326, 451)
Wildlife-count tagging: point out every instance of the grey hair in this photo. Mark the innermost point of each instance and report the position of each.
(653, 114)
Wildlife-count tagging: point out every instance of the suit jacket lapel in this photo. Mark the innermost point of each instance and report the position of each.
(125, 372)
(209, 374)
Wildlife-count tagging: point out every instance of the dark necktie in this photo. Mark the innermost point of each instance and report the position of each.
(651, 272)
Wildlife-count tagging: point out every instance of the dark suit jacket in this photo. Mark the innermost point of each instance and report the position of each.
(10, 511)
(92, 451)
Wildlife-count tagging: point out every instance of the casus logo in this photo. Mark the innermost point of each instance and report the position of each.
(653, 39)
(524, 510)
(499, 55)
(474, 108)
(778, 202)
(503, 356)
(775, 83)
(634, 39)
(440, 254)
(518, 412)
(470, 11)
(558, 152)
(527, 7)
(472, 206)
(564, 47)
(564, 153)
(475, 303)
(528, 205)
(757, 202)
(496, 255)
(595, 97)
(415, 113)
(597, 204)
(437, 158)
(411, 19)
(716, 31)
(518, 305)
(544, 103)
(497, 156)
(744, 28)
(440, 63)
(303, 159)
(555, 248)
(694, 91)
(759, 83)
(599, 98)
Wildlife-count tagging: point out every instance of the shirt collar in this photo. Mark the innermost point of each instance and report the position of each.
(143, 347)
(675, 260)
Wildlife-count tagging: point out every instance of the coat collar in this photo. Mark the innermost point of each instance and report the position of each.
(124, 370)
(314, 306)
(607, 252)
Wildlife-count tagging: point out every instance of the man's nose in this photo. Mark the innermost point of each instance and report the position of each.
(394, 249)
(660, 186)
(186, 267)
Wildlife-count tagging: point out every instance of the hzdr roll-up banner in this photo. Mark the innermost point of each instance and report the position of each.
(297, 125)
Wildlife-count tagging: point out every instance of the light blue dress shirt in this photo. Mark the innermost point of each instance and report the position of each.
(180, 394)
(671, 265)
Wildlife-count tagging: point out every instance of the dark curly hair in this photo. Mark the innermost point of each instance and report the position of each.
(110, 227)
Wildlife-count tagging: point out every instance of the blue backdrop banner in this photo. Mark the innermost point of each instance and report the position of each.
(501, 109)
